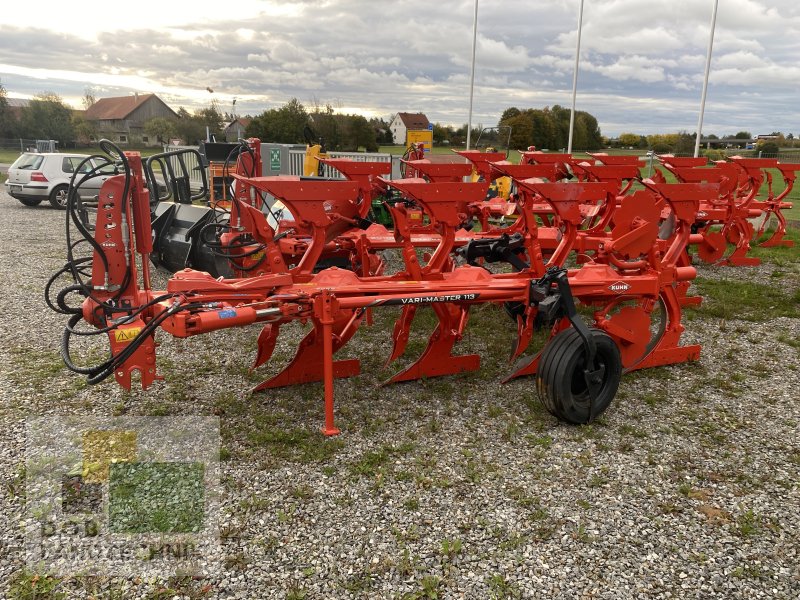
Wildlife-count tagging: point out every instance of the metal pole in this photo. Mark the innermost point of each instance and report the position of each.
(705, 80)
(575, 80)
(472, 76)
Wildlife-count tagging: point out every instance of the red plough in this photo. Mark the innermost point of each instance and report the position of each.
(629, 276)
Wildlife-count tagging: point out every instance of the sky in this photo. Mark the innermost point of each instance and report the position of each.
(641, 69)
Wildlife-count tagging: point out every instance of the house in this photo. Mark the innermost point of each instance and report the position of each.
(122, 119)
(15, 106)
(402, 122)
(235, 129)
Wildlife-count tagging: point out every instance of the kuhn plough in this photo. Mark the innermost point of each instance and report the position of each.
(630, 275)
(724, 227)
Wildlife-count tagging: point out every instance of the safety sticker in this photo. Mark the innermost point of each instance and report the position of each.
(228, 313)
(122, 336)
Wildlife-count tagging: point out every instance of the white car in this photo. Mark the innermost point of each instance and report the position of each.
(35, 177)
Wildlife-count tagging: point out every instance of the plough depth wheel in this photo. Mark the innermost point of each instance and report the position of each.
(561, 378)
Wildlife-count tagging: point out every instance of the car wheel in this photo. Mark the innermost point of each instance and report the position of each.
(58, 197)
(30, 201)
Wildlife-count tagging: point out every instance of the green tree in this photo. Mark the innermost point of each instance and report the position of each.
(85, 131)
(685, 143)
(768, 149)
(441, 133)
(46, 117)
(189, 128)
(383, 135)
(7, 121)
(744, 135)
(629, 139)
(160, 128)
(326, 127)
(509, 113)
(211, 118)
(360, 134)
(282, 125)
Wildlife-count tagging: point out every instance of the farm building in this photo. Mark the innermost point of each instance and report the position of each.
(235, 129)
(122, 119)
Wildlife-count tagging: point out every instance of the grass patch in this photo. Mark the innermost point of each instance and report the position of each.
(746, 300)
(28, 585)
(781, 256)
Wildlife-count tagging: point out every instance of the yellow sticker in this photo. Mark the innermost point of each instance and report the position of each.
(126, 335)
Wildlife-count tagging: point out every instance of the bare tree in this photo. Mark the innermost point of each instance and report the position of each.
(89, 97)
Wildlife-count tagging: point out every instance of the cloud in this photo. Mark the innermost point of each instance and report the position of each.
(642, 61)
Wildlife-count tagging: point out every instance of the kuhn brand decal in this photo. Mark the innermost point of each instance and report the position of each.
(619, 287)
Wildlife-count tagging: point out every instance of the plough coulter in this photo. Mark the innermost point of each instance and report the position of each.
(629, 279)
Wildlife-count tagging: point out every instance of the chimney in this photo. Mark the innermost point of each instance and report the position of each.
(136, 97)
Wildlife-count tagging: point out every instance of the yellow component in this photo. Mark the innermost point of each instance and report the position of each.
(414, 136)
(126, 335)
(311, 161)
(503, 187)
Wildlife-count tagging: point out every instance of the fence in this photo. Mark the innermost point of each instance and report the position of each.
(296, 158)
(193, 166)
(23, 145)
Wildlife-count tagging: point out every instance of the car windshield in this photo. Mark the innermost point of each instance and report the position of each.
(28, 162)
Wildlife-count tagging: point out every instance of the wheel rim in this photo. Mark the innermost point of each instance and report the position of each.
(61, 197)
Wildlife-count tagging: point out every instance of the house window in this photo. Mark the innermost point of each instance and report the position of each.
(123, 139)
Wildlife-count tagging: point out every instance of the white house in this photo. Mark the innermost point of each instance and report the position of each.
(402, 122)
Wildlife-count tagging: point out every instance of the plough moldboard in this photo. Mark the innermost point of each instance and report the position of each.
(571, 233)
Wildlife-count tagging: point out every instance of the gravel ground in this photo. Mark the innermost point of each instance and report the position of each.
(456, 488)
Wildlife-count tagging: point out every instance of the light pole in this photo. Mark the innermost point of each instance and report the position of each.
(472, 75)
(705, 80)
(575, 80)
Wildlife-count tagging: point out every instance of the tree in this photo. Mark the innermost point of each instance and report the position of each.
(7, 124)
(548, 128)
(685, 143)
(160, 128)
(360, 134)
(89, 97)
(85, 131)
(211, 118)
(768, 149)
(441, 133)
(744, 135)
(283, 125)
(628, 139)
(509, 113)
(46, 117)
(189, 128)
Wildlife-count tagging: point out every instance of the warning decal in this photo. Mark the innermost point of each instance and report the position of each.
(122, 336)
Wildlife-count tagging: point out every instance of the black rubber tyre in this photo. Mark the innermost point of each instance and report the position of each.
(30, 201)
(58, 197)
(560, 381)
